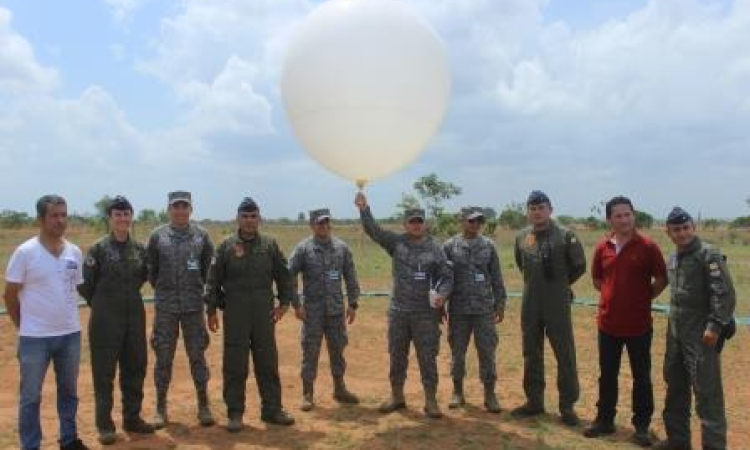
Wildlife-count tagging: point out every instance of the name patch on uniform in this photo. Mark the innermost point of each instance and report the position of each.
(333, 275)
(479, 277)
(420, 276)
(192, 264)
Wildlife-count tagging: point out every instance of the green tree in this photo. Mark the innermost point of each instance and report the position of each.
(408, 201)
(513, 216)
(101, 206)
(489, 213)
(711, 224)
(14, 219)
(147, 216)
(301, 217)
(643, 220)
(434, 192)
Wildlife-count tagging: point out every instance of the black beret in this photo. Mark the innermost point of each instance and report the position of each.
(678, 216)
(119, 202)
(538, 197)
(247, 205)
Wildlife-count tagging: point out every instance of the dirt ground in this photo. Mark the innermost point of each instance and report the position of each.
(330, 425)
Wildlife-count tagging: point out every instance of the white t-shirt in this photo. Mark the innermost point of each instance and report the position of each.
(48, 297)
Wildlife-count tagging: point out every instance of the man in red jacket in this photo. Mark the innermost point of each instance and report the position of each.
(629, 271)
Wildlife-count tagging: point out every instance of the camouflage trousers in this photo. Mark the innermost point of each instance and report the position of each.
(694, 367)
(422, 328)
(166, 331)
(315, 327)
(460, 329)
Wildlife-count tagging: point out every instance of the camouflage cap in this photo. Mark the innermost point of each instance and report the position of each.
(319, 215)
(472, 212)
(414, 213)
(678, 216)
(537, 198)
(180, 196)
(247, 205)
(119, 202)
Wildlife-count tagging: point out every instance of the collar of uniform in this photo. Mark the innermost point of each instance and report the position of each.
(116, 242)
(242, 239)
(319, 243)
(692, 247)
(179, 230)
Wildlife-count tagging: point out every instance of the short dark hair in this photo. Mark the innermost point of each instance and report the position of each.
(618, 200)
(44, 202)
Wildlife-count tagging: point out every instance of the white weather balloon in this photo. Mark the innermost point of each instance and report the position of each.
(365, 85)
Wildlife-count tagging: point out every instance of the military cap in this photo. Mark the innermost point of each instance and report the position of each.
(678, 216)
(472, 212)
(538, 197)
(319, 215)
(414, 213)
(247, 205)
(119, 203)
(180, 196)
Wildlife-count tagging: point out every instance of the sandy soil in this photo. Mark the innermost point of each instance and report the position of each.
(333, 426)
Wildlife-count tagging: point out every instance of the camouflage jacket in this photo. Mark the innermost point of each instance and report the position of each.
(416, 267)
(323, 266)
(477, 279)
(178, 263)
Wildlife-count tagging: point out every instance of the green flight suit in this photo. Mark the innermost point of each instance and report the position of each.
(702, 298)
(551, 260)
(241, 283)
(113, 274)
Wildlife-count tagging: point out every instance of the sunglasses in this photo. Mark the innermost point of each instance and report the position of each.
(253, 215)
(416, 220)
(478, 220)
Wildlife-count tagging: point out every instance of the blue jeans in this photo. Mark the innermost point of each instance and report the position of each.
(34, 355)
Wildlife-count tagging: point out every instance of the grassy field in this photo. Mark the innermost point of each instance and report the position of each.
(332, 426)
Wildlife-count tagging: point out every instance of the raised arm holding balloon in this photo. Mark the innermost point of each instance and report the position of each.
(421, 282)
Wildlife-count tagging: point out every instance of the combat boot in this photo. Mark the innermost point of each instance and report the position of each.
(205, 417)
(137, 425)
(160, 416)
(490, 399)
(396, 402)
(341, 394)
(234, 424)
(457, 399)
(308, 402)
(431, 407)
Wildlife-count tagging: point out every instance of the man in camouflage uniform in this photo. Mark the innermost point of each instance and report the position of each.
(179, 255)
(246, 266)
(475, 306)
(421, 282)
(114, 271)
(700, 317)
(551, 259)
(323, 261)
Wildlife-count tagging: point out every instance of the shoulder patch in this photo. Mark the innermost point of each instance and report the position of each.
(90, 261)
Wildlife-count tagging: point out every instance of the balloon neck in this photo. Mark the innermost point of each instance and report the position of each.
(361, 184)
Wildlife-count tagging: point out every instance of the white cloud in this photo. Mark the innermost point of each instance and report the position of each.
(20, 72)
(122, 10)
(658, 97)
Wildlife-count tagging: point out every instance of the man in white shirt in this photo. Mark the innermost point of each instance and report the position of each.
(40, 296)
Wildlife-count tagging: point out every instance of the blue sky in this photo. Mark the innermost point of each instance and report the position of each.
(583, 99)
